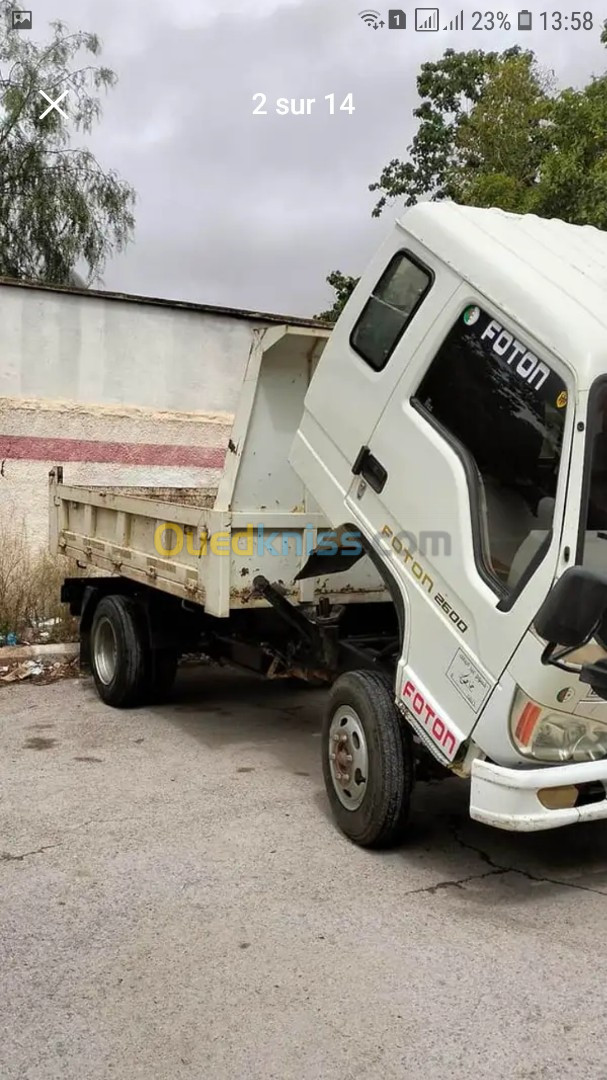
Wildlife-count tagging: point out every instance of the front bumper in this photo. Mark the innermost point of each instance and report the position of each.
(509, 798)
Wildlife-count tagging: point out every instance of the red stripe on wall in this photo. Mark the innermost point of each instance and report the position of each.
(58, 451)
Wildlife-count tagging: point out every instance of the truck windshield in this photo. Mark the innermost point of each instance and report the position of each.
(594, 511)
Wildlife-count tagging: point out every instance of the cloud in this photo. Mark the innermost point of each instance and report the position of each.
(255, 210)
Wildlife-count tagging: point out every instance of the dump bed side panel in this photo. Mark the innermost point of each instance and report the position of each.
(195, 552)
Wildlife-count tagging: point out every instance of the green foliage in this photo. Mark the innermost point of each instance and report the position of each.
(58, 207)
(481, 129)
(494, 131)
(572, 182)
(344, 287)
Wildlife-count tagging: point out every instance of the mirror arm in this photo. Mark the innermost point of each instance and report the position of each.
(573, 669)
(549, 656)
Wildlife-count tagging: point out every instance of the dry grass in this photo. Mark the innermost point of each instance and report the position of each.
(30, 587)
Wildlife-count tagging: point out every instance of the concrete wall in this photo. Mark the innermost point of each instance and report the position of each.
(75, 347)
(100, 444)
(119, 391)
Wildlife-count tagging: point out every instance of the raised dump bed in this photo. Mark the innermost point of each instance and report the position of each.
(208, 544)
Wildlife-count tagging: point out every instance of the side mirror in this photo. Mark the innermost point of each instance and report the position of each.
(574, 609)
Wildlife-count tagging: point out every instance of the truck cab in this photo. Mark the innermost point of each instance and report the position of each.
(457, 420)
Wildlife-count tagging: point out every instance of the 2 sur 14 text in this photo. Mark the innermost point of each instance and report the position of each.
(286, 106)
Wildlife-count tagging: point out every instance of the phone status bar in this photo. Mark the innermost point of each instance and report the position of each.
(430, 20)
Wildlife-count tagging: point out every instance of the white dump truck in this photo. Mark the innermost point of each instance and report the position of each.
(413, 510)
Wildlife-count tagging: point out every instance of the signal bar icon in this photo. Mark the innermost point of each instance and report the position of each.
(457, 23)
(426, 18)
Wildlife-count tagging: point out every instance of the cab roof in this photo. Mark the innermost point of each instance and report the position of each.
(549, 276)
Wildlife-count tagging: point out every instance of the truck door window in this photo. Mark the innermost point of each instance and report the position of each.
(503, 410)
(389, 310)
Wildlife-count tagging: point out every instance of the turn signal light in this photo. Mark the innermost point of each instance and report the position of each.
(526, 723)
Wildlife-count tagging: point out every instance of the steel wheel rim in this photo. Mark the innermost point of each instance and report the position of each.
(348, 757)
(105, 651)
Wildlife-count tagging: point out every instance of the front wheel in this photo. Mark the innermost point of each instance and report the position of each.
(368, 762)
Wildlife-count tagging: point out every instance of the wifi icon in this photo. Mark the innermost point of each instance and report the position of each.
(372, 19)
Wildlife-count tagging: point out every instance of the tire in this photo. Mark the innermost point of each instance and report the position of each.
(164, 670)
(120, 654)
(371, 810)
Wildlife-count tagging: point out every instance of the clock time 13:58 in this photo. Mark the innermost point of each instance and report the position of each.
(574, 20)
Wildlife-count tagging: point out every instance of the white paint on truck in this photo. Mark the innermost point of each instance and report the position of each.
(466, 314)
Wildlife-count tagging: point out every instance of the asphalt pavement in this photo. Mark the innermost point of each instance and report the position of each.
(176, 904)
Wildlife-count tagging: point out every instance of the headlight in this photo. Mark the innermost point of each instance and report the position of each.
(545, 736)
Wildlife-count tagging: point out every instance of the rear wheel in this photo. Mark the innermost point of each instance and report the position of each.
(120, 656)
(368, 762)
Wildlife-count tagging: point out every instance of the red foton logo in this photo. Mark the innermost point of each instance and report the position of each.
(431, 721)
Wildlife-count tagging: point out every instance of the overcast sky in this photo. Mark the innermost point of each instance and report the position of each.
(254, 211)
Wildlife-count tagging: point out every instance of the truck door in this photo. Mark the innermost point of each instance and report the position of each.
(384, 323)
(474, 445)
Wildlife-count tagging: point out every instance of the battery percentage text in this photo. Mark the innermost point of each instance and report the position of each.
(491, 20)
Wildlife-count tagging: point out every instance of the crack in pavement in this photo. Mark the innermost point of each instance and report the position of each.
(5, 856)
(497, 868)
(458, 882)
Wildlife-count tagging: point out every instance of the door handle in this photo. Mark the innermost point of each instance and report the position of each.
(371, 470)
